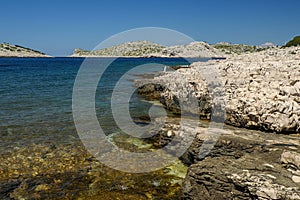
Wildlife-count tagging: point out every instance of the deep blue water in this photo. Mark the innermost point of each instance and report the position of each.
(36, 95)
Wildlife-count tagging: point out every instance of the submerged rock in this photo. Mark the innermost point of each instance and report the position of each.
(68, 171)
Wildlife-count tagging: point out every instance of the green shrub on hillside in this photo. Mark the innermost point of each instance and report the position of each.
(294, 42)
(235, 48)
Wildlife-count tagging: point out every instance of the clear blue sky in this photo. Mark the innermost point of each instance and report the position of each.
(58, 26)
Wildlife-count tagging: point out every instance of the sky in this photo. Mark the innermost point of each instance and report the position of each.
(57, 27)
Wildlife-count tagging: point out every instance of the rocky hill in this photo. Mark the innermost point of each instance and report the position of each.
(150, 49)
(9, 50)
(294, 42)
(130, 49)
(230, 49)
(194, 49)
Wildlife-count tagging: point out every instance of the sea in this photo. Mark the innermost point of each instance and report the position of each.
(41, 155)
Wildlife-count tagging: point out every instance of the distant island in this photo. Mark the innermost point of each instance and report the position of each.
(150, 49)
(9, 50)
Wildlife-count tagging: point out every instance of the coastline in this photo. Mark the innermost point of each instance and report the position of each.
(257, 155)
(150, 100)
(30, 56)
(244, 164)
(214, 58)
(42, 155)
(8, 50)
(262, 89)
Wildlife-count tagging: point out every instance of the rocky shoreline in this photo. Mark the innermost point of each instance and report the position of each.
(262, 91)
(244, 164)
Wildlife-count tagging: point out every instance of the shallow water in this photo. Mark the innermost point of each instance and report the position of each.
(41, 155)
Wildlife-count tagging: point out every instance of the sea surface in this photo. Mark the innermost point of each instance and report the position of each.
(41, 155)
(36, 94)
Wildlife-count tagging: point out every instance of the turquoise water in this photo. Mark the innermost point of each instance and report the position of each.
(41, 155)
(36, 94)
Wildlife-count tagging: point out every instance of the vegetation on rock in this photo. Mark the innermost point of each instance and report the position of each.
(150, 49)
(9, 50)
(294, 42)
(228, 48)
(138, 48)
